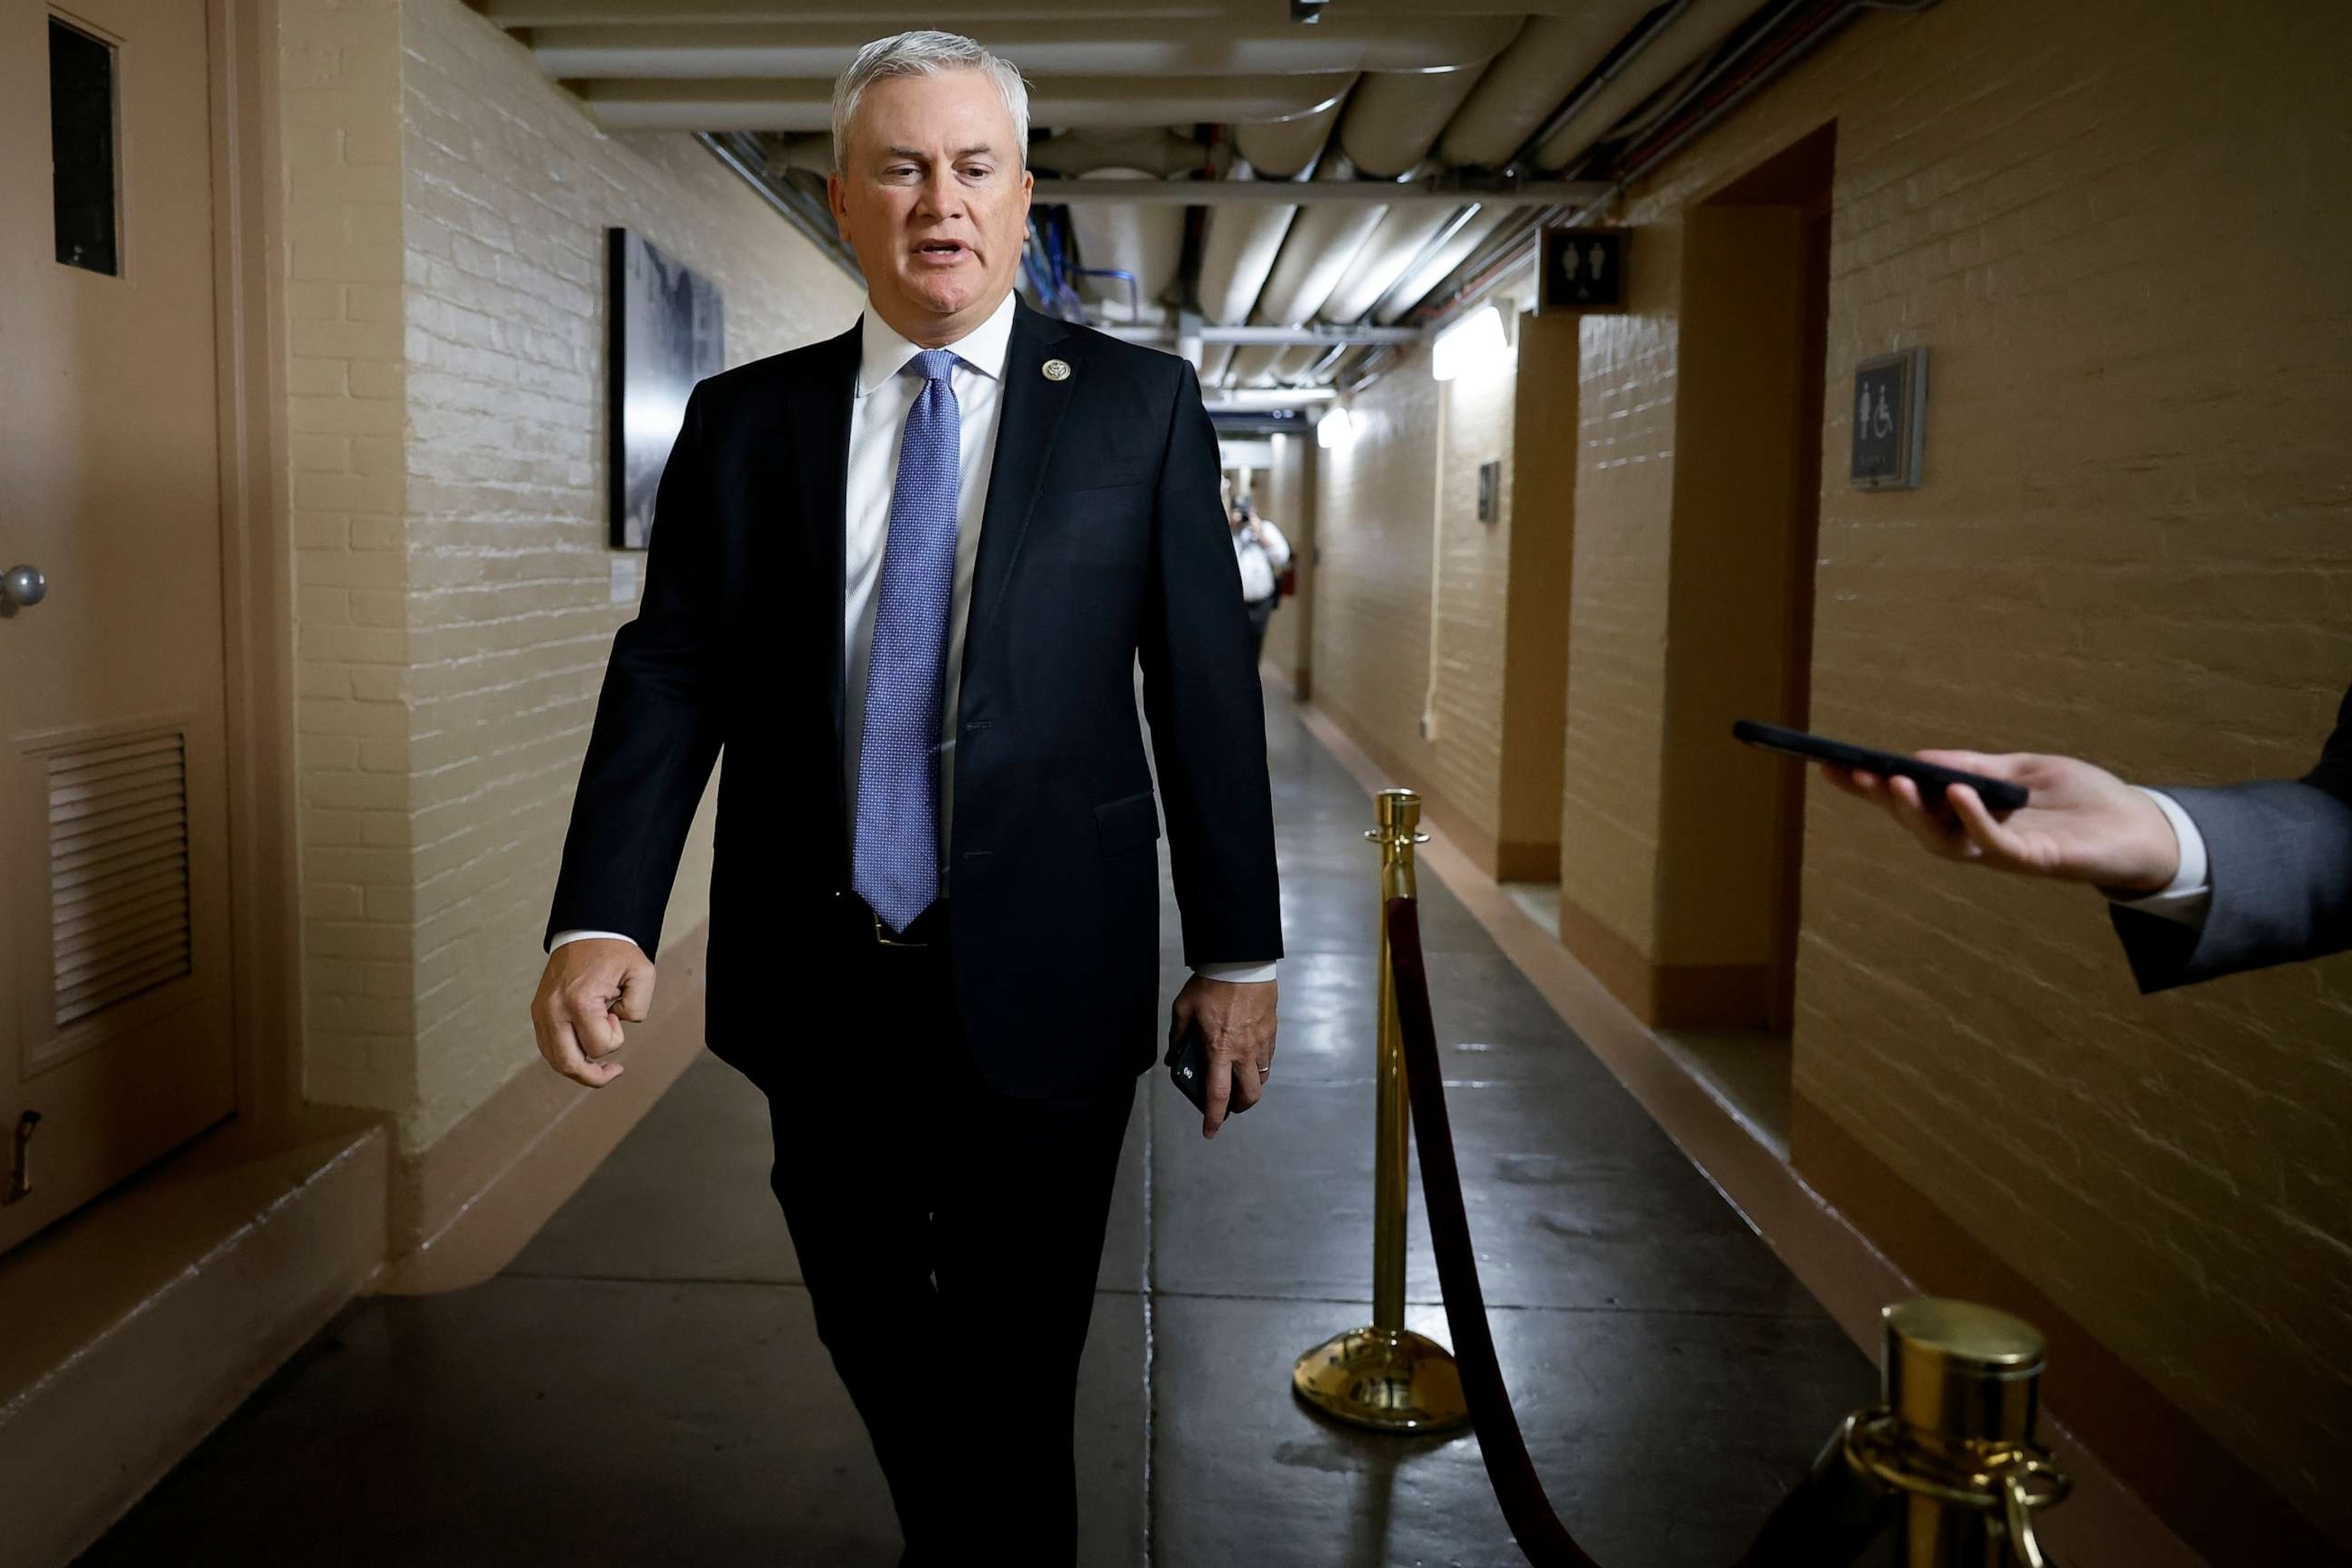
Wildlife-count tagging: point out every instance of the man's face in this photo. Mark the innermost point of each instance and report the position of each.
(933, 198)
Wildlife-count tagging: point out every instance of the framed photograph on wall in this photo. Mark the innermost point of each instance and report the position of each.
(668, 331)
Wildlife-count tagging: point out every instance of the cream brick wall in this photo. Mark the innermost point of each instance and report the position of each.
(1378, 500)
(509, 191)
(346, 380)
(1284, 493)
(449, 334)
(1617, 618)
(2118, 227)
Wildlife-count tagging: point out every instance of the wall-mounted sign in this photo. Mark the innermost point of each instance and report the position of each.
(1584, 269)
(1890, 420)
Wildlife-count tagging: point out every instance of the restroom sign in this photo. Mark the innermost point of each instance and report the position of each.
(1584, 269)
(1890, 424)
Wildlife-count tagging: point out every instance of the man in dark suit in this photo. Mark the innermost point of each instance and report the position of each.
(2201, 883)
(903, 580)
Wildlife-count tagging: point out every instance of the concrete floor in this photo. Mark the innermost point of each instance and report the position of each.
(644, 1385)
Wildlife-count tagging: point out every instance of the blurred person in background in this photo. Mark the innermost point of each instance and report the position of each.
(1263, 556)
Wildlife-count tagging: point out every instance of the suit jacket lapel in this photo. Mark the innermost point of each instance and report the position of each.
(820, 453)
(1027, 421)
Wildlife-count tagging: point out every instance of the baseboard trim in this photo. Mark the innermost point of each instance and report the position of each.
(1527, 860)
(2105, 1523)
(1666, 995)
(160, 1308)
(463, 1209)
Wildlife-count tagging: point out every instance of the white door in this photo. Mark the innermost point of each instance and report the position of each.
(114, 1027)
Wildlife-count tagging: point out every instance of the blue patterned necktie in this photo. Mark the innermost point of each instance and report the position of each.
(896, 862)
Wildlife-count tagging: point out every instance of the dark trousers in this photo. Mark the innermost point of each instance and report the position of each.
(1261, 615)
(950, 1238)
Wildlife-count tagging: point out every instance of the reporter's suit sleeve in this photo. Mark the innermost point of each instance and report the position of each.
(1207, 714)
(2279, 857)
(657, 731)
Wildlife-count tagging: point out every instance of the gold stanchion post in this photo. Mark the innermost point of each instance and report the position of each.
(1385, 1376)
(1955, 1434)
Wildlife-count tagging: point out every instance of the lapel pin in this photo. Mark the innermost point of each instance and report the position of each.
(1057, 370)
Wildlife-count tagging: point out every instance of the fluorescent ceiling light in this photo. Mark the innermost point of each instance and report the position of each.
(1334, 429)
(1476, 343)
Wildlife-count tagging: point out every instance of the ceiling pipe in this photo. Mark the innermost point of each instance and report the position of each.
(1687, 37)
(1152, 148)
(1402, 236)
(1252, 398)
(1100, 44)
(1287, 147)
(1443, 191)
(1527, 82)
(1410, 252)
(1497, 247)
(1391, 119)
(1322, 243)
(1241, 245)
(1394, 117)
(805, 213)
(878, 17)
(807, 104)
(1645, 31)
(1773, 50)
(1315, 335)
(1438, 265)
(1142, 242)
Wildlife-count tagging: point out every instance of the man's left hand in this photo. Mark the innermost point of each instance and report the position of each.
(1236, 1021)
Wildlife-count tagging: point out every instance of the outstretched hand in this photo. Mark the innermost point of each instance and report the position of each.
(2082, 824)
(1236, 1019)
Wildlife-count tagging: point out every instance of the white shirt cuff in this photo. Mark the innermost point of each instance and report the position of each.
(2190, 892)
(563, 936)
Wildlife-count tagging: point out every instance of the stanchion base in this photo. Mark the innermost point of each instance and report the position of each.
(1390, 1380)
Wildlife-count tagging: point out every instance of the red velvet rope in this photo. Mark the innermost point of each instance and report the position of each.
(1526, 1509)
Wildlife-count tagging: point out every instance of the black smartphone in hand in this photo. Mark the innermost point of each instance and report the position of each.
(1188, 1066)
(1999, 794)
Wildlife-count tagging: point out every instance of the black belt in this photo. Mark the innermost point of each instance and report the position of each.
(929, 929)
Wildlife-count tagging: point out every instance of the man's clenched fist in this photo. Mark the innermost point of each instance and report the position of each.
(590, 986)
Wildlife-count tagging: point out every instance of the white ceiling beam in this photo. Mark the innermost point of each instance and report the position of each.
(884, 16)
(807, 104)
(1258, 400)
(1118, 44)
(1277, 337)
(1308, 192)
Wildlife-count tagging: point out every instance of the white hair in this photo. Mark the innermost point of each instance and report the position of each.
(926, 54)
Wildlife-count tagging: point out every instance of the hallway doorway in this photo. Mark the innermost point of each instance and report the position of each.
(1747, 507)
(116, 1038)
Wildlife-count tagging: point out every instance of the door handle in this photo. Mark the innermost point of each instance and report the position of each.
(22, 587)
(20, 1165)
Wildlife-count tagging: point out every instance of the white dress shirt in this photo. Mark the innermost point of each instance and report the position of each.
(878, 407)
(2190, 892)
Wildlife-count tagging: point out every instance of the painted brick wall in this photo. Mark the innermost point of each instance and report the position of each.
(1378, 500)
(346, 416)
(446, 213)
(509, 190)
(1617, 619)
(2118, 228)
(1284, 493)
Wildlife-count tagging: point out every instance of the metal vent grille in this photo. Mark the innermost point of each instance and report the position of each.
(118, 872)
